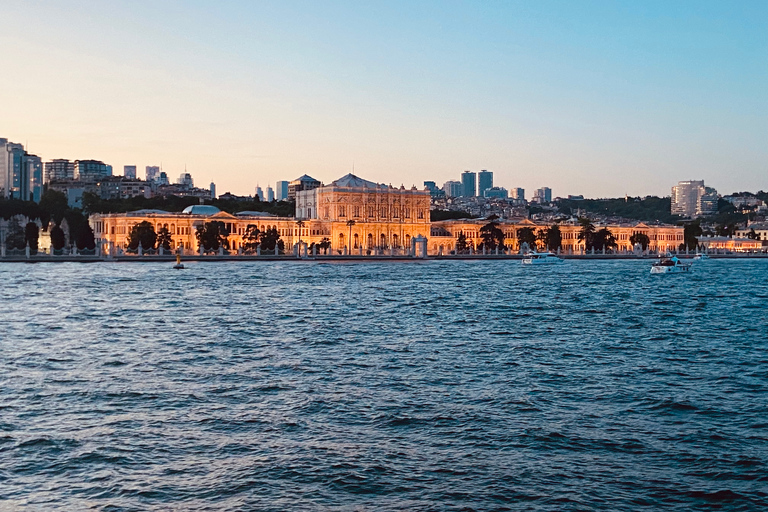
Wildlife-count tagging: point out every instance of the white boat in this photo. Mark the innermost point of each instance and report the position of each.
(671, 265)
(542, 258)
(700, 257)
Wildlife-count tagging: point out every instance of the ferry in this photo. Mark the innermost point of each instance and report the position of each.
(542, 258)
(671, 265)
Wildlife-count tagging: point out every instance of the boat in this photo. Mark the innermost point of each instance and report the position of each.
(179, 265)
(700, 257)
(671, 265)
(542, 258)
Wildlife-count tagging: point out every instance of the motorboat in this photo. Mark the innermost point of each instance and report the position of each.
(671, 265)
(700, 257)
(542, 258)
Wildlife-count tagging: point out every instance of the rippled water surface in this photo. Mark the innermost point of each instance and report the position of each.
(477, 385)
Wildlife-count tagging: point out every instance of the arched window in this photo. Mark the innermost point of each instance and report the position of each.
(341, 241)
(395, 240)
(370, 240)
(383, 240)
(356, 243)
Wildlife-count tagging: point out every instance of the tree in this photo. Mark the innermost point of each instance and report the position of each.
(324, 245)
(85, 238)
(691, 230)
(554, 238)
(526, 236)
(211, 236)
(587, 233)
(53, 205)
(492, 235)
(251, 238)
(752, 235)
(270, 239)
(603, 240)
(164, 239)
(14, 237)
(461, 243)
(640, 238)
(31, 235)
(541, 237)
(58, 239)
(142, 234)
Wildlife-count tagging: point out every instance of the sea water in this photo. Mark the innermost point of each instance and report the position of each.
(434, 385)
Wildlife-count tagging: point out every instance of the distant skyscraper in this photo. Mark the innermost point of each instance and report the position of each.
(259, 193)
(59, 170)
(302, 183)
(452, 188)
(469, 184)
(270, 194)
(213, 190)
(484, 182)
(185, 180)
(282, 190)
(692, 199)
(163, 179)
(152, 172)
(543, 195)
(21, 173)
(517, 193)
(91, 170)
(129, 172)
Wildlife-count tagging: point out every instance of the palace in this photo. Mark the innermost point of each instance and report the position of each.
(357, 216)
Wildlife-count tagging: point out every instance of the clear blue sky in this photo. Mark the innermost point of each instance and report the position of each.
(594, 98)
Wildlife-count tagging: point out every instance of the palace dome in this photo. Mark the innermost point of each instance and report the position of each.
(201, 209)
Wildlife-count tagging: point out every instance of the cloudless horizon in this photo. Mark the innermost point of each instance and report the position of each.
(601, 98)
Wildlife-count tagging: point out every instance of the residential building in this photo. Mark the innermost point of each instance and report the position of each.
(517, 193)
(281, 190)
(59, 170)
(484, 182)
(129, 172)
(123, 188)
(542, 195)
(91, 170)
(692, 199)
(162, 179)
(300, 184)
(495, 192)
(21, 173)
(452, 188)
(468, 184)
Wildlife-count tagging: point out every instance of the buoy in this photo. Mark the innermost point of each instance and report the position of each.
(179, 265)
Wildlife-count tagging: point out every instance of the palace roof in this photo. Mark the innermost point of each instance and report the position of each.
(201, 209)
(352, 181)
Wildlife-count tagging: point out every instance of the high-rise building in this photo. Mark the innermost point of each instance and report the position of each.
(129, 172)
(468, 184)
(282, 190)
(270, 194)
(152, 172)
(185, 180)
(91, 170)
(693, 199)
(21, 174)
(163, 179)
(213, 190)
(259, 193)
(484, 182)
(303, 183)
(543, 195)
(452, 188)
(59, 170)
(517, 193)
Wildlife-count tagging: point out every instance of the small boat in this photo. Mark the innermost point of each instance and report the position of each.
(542, 258)
(671, 265)
(700, 257)
(179, 265)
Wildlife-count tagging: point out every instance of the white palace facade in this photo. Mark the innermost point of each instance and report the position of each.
(357, 217)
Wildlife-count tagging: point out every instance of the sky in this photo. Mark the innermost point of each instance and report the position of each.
(601, 98)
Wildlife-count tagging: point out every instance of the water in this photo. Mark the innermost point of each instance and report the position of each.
(479, 385)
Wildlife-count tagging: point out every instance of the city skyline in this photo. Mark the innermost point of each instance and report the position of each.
(594, 99)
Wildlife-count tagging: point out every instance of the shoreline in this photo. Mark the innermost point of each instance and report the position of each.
(343, 258)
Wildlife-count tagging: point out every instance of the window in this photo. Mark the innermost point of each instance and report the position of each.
(355, 211)
(384, 212)
(407, 213)
(395, 213)
(421, 214)
(371, 211)
(342, 211)
(326, 212)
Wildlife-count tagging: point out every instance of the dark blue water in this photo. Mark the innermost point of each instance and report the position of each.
(384, 386)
